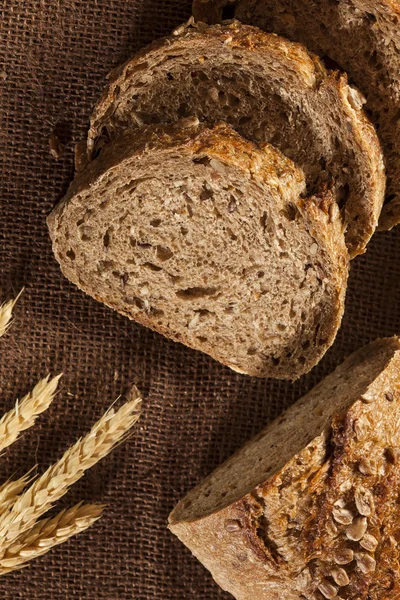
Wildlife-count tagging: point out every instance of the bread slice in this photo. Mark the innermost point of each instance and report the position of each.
(310, 508)
(206, 238)
(268, 89)
(363, 37)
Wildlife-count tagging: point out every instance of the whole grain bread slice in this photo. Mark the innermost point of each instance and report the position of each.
(310, 508)
(361, 36)
(206, 238)
(268, 89)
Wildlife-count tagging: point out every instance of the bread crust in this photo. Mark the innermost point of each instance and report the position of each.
(326, 524)
(362, 210)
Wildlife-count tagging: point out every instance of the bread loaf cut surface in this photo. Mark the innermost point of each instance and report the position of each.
(207, 239)
(363, 37)
(309, 509)
(268, 89)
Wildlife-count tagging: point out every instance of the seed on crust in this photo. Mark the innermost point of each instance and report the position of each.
(340, 577)
(342, 516)
(357, 529)
(364, 501)
(369, 542)
(327, 589)
(366, 563)
(344, 556)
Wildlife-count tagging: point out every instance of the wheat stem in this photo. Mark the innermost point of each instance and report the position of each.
(110, 430)
(24, 414)
(48, 533)
(6, 314)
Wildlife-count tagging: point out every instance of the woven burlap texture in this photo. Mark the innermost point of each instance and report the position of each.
(55, 55)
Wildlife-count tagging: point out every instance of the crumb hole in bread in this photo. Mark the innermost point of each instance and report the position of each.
(70, 254)
(184, 231)
(202, 340)
(371, 17)
(252, 351)
(196, 292)
(105, 204)
(217, 213)
(80, 222)
(152, 267)
(290, 212)
(263, 220)
(244, 121)
(189, 206)
(107, 238)
(283, 255)
(170, 76)
(329, 63)
(206, 193)
(343, 195)
(260, 274)
(233, 101)
(275, 360)
(142, 66)
(137, 302)
(200, 75)
(202, 160)
(228, 12)
(163, 253)
(222, 98)
(105, 265)
(183, 110)
(231, 234)
(155, 222)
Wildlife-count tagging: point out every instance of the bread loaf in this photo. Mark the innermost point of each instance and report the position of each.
(268, 89)
(310, 508)
(362, 37)
(211, 241)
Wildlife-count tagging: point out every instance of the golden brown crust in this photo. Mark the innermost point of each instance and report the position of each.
(327, 524)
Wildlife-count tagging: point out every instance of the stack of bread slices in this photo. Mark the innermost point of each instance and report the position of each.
(228, 179)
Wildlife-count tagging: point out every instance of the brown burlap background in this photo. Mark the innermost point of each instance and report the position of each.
(54, 57)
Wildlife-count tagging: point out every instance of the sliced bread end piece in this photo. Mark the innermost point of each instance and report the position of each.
(310, 507)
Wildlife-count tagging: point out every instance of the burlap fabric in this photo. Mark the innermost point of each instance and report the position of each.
(54, 58)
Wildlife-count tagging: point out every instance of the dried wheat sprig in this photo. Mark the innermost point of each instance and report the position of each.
(109, 431)
(48, 533)
(24, 414)
(6, 314)
(10, 490)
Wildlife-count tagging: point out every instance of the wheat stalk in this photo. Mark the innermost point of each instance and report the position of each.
(10, 490)
(109, 431)
(6, 314)
(48, 533)
(25, 412)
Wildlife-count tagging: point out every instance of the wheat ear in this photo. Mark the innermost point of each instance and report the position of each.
(48, 533)
(10, 490)
(24, 414)
(6, 314)
(109, 431)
